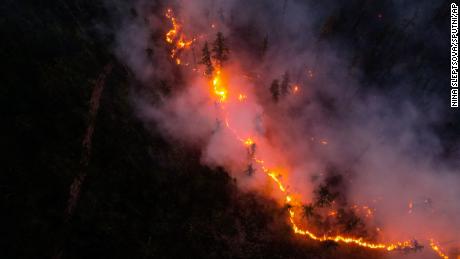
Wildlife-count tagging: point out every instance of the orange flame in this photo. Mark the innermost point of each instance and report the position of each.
(171, 34)
(437, 249)
(248, 142)
(175, 37)
(218, 89)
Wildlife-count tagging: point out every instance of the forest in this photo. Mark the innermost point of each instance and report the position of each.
(84, 175)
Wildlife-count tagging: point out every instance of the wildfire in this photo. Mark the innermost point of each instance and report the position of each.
(344, 239)
(218, 89)
(176, 38)
(172, 32)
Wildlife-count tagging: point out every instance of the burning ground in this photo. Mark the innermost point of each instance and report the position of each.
(263, 129)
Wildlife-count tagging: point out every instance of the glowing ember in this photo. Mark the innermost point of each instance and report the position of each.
(175, 37)
(437, 249)
(242, 97)
(332, 213)
(295, 89)
(248, 142)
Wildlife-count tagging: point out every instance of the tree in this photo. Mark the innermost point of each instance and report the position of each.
(324, 196)
(220, 49)
(285, 87)
(308, 210)
(275, 90)
(206, 60)
(264, 47)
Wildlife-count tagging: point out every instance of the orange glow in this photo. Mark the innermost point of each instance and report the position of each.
(242, 97)
(437, 249)
(218, 89)
(369, 211)
(248, 142)
(332, 213)
(295, 89)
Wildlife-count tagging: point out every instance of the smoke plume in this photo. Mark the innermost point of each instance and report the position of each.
(360, 104)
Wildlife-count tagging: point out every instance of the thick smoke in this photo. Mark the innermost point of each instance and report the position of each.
(368, 109)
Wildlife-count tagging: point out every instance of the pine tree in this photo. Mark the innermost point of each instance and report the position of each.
(275, 90)
(220, 49)
(264, 47)
(285, 87)
(250, 170)
(206, 60)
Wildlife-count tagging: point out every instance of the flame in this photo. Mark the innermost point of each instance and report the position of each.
(218, 89)
(248, 142)
(276, 179)
(345, 239)
(437, 249)
(242, 97)
(171, 34)
(174, 37)
(296, 89)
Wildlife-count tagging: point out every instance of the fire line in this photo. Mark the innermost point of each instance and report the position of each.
(176, 38)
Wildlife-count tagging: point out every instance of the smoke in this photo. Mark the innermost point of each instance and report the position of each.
(370, 105)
